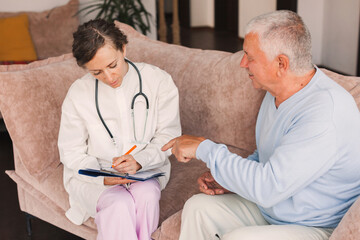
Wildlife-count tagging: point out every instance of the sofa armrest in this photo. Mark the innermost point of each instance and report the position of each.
(349, 226)
(169, 229)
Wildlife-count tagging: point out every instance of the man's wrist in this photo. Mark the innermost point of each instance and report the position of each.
(203, 149)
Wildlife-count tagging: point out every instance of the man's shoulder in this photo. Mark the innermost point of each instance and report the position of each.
(323, 89)
(327, 83)
(327, 87)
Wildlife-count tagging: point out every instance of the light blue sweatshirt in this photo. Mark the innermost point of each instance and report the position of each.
(306, 169)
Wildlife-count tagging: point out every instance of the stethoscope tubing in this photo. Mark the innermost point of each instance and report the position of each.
(98, 110)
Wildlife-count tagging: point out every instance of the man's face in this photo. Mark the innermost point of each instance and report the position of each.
(261, 71)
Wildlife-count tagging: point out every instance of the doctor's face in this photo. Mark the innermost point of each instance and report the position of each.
(108, 65)
(261, 70)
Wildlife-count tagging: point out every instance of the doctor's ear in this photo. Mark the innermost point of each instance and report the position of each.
(283, 64)
(124, 50)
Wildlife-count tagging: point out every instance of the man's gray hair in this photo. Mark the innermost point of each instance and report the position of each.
(284, 32)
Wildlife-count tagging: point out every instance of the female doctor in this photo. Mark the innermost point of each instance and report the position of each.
(116, 105)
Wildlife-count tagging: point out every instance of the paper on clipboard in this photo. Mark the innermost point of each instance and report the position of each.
(139, 176)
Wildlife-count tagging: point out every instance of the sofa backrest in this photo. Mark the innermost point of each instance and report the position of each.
(30, 101)
(217, 99)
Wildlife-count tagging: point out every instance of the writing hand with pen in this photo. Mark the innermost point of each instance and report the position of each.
(123, 164)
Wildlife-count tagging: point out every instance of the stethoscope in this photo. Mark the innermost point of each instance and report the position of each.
(140, 93)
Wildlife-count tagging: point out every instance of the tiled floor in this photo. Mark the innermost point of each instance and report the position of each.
(12, 220)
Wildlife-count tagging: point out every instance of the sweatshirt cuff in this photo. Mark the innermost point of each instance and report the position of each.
(204, 149)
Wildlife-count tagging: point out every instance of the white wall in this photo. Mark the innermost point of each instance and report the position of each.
(26, 5)
(249, 9)
(334, 28)
(41, 5)
(312, 13)
(341, 35)
(202, 13)
(150, 6)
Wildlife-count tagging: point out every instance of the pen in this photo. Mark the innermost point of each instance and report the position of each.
(131, 149)
(127, 153)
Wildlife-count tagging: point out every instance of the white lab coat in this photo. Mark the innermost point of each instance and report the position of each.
(85, 143)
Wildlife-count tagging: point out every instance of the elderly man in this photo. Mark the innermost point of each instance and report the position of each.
(303, 176)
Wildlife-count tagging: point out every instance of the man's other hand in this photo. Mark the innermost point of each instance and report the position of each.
(209, 186)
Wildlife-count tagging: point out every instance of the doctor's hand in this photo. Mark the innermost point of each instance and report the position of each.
(209, 186)
(126, 164)
(184, 147)
(116, 180)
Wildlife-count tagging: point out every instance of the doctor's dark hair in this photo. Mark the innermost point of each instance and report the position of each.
(93, 35)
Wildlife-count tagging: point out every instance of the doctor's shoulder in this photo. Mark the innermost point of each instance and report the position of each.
(154, 73)
(82, 86)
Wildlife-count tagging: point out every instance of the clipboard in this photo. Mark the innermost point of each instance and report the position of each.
(139, 176)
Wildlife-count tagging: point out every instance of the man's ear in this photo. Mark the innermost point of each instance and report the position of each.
(283, 64)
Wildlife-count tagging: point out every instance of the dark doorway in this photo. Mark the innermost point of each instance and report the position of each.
(286, 5)
(358, 56)
(184, 13)
(226, 15)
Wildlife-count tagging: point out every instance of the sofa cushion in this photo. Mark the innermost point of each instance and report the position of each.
(169, 229)
(349, 227)
(14, 62)
(15, 42)
(51, 30)
(181, 186)
(30, 101)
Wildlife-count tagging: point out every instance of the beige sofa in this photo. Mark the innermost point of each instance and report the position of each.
(217, 101)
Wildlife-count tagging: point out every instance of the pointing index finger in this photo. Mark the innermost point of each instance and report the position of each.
(169, 145)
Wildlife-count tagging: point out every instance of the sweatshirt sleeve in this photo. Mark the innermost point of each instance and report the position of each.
(254, 156)
(306, 152)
